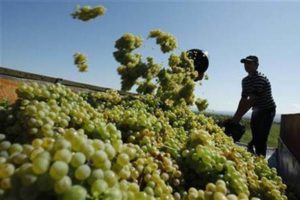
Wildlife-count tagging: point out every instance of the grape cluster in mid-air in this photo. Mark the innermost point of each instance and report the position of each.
(87, 13)
(81, 61)
(173, 85)
(201, 104)
(166, 40)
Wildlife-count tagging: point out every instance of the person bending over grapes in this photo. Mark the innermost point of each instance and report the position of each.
(256, 94)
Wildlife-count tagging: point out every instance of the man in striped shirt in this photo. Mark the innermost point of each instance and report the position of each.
(256, 94)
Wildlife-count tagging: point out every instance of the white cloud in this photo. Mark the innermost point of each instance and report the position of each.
(294, 108)
(295, 105)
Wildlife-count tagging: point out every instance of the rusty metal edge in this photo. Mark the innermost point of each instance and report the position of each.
(37, 77)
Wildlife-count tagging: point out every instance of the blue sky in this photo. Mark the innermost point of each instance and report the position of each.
(41, 37)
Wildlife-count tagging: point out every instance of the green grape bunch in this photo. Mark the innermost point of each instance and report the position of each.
(201, 104)
(177, 84)
(81, 61)
(87, 13)
(173, 85)
(128, 42)
(166, 40)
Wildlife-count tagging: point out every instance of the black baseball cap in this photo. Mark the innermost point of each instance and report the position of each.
(250, 58)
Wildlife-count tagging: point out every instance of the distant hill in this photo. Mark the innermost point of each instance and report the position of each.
(246, 116)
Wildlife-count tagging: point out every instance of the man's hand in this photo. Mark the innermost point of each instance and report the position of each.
(235, 119)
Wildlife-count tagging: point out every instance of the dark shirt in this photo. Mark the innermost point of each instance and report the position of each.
(258, 85)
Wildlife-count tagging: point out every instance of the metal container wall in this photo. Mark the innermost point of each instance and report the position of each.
(290, 133)
(288, 168)
(289, 152)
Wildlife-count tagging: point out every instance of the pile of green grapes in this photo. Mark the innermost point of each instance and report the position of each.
(59, 144)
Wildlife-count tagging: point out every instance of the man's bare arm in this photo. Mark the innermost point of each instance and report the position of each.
(244, 105)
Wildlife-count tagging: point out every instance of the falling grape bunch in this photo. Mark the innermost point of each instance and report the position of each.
(81, 61)
(87, 13)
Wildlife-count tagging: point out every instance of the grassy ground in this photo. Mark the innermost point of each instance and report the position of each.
(274, 132)
(273, 137)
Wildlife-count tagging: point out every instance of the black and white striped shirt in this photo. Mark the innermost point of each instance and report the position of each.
(258, 85)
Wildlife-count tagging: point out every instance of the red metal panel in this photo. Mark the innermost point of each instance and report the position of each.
(8, 89)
